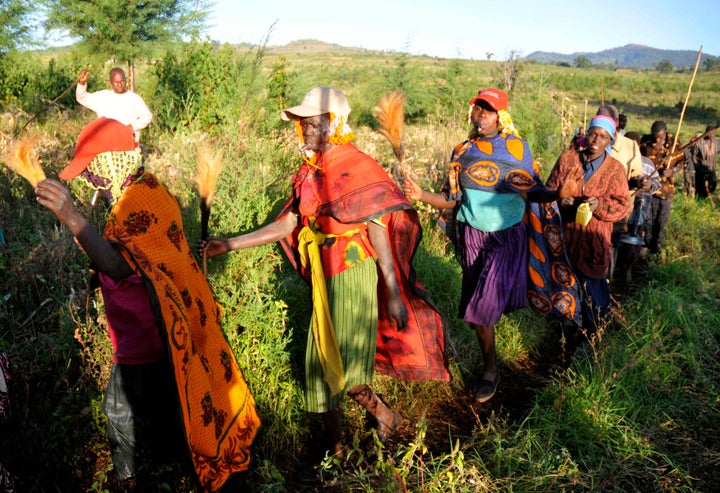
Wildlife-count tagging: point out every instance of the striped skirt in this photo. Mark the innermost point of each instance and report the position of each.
(494, 267)
(352, 296)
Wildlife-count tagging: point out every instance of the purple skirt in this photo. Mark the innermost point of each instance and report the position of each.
(494, 269)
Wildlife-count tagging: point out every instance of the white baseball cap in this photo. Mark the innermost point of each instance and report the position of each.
(318, 101)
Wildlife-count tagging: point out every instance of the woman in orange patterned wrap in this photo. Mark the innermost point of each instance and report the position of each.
(175, 389)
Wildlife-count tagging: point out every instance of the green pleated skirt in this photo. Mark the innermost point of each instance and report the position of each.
(352, 297)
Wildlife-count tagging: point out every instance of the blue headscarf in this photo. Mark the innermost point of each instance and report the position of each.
(607, 124)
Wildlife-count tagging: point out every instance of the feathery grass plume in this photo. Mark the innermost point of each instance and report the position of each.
(21, 158)
(390, 114)
(208, 169)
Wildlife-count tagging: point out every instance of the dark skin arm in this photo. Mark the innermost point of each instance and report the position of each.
(413, 191)
(567, 189)
(107, 259)
(278, 230)
(396, 307)
(270, 233)
(83, 77)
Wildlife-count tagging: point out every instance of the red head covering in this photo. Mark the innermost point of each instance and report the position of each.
(98, 136)
(496, 98)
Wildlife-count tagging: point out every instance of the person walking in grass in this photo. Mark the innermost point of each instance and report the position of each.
(117, 103)
(627, 151)
(352, 234)
(175, 390)
(505, 260)
(703, 154)
(601, 183)
(644, 186)
(657, 146)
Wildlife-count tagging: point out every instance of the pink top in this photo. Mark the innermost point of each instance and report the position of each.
(134, 334)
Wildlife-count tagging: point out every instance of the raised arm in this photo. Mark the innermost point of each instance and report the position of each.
(106, 258)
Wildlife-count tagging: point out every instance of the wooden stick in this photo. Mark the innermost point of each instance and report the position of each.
(687, 97)
(44, 108)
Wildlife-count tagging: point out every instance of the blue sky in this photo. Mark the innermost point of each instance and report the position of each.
(458, 28)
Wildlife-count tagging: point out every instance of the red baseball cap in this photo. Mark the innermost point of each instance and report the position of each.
(496, 98)
(100, 135)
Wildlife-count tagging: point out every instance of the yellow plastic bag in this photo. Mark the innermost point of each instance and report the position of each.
(583, 215)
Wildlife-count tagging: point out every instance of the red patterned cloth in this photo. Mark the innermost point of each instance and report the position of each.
(345, 193)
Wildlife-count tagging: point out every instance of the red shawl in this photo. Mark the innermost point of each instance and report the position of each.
(353, 188)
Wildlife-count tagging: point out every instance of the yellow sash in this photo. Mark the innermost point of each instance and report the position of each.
(309, 242)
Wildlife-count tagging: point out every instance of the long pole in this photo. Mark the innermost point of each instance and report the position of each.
(687, 98)
(44, 108)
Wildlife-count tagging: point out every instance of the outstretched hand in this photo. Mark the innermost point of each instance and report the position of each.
(83, 77)
(411, 189)
(212, 247)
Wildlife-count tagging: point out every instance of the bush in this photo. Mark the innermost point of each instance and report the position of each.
(37, 88)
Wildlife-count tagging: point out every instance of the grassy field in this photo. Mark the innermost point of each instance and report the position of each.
(635, 411)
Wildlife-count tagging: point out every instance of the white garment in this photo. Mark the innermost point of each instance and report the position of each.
(128, 107)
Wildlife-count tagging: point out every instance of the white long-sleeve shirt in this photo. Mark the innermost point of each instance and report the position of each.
(128, 107)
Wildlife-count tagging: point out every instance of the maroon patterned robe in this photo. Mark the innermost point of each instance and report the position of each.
(589, 246)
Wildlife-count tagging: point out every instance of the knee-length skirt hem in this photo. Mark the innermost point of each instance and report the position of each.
(352, 298)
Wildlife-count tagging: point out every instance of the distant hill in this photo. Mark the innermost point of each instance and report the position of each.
(631, 55)
(315, 46)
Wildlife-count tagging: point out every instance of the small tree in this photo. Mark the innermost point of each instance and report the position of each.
(581, 61)
(280, 83)
(665, 67)
(14, 24)
(124, 29)
(508, 72)
(711, 63)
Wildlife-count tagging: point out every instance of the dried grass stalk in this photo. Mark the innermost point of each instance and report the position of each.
(390, 114)
(208, 169)
(22, 160)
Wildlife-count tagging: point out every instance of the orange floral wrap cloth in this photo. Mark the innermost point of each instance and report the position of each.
(218, 409)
